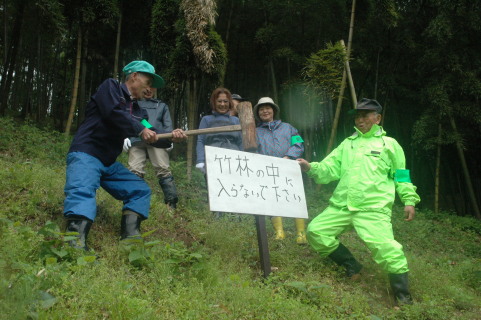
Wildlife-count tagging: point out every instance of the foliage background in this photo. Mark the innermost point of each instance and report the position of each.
(418, 58)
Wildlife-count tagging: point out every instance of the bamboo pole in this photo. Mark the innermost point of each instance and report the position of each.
(191, 111)
(351, 29)
(73, 103)
(350, 81)
(346, 74)
(467, 176)
(438, 165)
(117, 46)
(335, 121)
(343, 82)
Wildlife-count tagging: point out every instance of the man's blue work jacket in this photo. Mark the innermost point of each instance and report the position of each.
(110, 117)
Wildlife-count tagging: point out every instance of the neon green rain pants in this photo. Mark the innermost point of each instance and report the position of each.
(374, 228)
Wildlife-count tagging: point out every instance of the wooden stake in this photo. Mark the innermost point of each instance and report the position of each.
(248, 128)
(249, 141)
(248, 125)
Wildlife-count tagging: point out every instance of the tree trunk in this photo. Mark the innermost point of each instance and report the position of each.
(335, 121)
(309, 141)
(343, 83)
(436, 175)
(82, 98)
(5, 29)
(191, 111)
(75, 83)
(377, 73)
(273, 80)
(384, 108)
(351, 29)
(26, 108)
(9, 66)
(117, 48)
(38, 80)
(467, 176)
(227, 32)
(61, 100)
(17, 91)
(350, 80)
(51, 76)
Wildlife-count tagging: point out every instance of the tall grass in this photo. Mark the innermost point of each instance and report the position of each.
(193, 266)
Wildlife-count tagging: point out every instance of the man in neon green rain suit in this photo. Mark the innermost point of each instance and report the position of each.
(370, 167)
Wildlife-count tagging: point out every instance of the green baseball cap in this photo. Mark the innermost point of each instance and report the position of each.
(144, 67)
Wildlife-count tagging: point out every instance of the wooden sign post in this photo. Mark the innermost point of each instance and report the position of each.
(248, 124)
(248, 128)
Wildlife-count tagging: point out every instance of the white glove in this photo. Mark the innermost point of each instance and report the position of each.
(201, 166)
(127, 145)
(170, 148)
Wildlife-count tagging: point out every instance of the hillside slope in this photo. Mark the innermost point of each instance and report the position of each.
(194, 266)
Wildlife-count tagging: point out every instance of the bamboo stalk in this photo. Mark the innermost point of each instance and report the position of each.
(349, 78)
(438, 169)
(466, 173)
(73, 103)
(343, 83)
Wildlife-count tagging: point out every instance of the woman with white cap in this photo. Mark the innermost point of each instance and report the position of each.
(282, 140)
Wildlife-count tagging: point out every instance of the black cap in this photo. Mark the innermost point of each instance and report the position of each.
(237, 97)
(367, 104)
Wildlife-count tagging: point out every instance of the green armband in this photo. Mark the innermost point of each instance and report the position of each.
(402, 175)
(146, 124)
(296, 139)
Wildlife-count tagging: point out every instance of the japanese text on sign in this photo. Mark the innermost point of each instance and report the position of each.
(243, 182)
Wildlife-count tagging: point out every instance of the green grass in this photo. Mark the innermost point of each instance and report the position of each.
(193, 266)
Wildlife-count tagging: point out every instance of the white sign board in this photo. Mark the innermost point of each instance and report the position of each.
(243, 182)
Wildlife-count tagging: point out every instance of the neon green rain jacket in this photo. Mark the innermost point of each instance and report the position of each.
(369, 168)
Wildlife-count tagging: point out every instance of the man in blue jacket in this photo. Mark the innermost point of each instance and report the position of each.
(110, 117)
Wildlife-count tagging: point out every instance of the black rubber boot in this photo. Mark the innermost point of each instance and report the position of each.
(82, 227)
(343, 257)
(130, 225)
(400, 287)
(170, 191)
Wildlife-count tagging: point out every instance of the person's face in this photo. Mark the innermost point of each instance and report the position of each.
(150, 93)
(365, 119)
(141, 85)
(222, 105)
(266, 113)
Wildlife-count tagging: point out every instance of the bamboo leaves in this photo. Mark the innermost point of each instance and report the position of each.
(323, 69)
